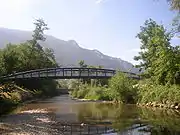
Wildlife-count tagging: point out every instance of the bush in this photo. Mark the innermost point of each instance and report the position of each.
(83, 90)
(122, 89)
(91, 92)
(80, 90)
(16, 97)
(149, 92)
(98, 93)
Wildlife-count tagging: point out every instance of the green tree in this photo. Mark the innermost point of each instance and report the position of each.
(121, 88)
(38, 33)
(176, 26)
(159, 59)
(151, 37)
(50, 55)
(175, 4)
(41, 54)
(9, 59)
(82, 64)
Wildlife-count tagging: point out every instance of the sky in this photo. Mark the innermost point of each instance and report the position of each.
(109, 26)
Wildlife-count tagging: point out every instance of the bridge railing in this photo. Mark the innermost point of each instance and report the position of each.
(66, 73)
(63, 72)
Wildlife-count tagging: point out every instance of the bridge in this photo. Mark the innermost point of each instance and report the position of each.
(65, 73)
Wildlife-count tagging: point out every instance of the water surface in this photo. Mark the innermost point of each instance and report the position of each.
(62, 115)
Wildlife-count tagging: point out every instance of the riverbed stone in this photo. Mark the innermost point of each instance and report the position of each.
(172, 106)
(143, 104)
(161, 105)
(167, 102)
(154, 104)
(176, 104)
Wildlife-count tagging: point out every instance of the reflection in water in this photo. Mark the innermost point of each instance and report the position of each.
(61, 115)
(129, 118)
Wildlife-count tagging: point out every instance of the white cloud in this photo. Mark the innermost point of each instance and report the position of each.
(99, 1)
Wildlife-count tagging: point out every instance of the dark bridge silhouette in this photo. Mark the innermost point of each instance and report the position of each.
(66, 73)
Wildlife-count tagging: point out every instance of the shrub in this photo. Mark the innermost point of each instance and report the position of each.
(97, 93)
(16, 97)
(91, 92)
(83, 90)
(149, 92)
(122, 88)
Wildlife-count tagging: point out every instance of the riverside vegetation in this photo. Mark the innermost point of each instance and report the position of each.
(160, 86)
(22, 57)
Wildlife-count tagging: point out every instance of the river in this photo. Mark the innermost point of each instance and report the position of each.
(63, 116)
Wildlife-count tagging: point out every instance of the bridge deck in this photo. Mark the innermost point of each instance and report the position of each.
(65, 73)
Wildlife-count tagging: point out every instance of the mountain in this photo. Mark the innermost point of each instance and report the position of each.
(68, 53)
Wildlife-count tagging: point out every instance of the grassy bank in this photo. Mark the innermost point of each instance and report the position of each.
(122, 89)
(154, 95)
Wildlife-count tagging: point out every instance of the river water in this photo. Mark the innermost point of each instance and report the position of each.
(63, 116)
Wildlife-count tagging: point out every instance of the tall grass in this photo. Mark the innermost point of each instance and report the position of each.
(149, 92)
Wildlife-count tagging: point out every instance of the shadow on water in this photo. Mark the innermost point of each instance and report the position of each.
(75, 118)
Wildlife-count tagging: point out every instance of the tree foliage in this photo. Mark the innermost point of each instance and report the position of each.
(82, 64)
(159, 59)
(122, 88)
(175, 4)
(27, 56)
(176, 25)
(38, 33)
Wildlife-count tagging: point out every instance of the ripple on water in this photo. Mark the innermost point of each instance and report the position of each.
(35, 111)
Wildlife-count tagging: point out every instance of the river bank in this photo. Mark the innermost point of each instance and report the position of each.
(169, 105)
(12, 96)
(90, 100)
(121, 89)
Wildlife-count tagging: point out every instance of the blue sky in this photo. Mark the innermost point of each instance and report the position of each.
(109, 26)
